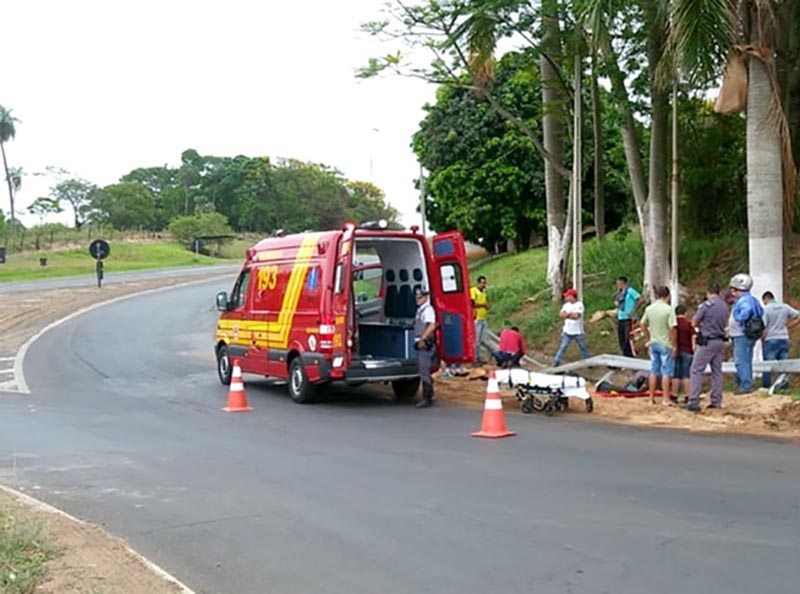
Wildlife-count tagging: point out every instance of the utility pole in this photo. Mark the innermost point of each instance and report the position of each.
(675, 290)
(422, 201)
(577, 210)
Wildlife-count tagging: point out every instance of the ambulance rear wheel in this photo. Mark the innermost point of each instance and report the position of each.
(300, 389)
(224, 369)
(405, 389)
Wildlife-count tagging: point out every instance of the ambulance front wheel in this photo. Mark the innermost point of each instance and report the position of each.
(224, 369)
(300, 389)
(405, 389)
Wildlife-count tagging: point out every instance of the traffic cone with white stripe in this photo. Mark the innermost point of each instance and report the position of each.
(237, 399)
(494, 423)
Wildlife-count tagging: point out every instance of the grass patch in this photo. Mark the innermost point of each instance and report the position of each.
(24, 551)
(124, 256)
(519, 295)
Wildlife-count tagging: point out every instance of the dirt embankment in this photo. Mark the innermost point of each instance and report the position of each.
(753, 414)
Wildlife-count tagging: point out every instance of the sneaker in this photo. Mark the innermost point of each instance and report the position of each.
(691, 408)
(424, 403)
(714, 406)
(742, 392)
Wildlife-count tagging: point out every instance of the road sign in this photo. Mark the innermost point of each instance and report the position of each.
(99, 249)
(197, 246)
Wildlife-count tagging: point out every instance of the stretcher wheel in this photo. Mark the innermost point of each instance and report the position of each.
(563, 403)
(527, 406)
(550, 408)
(537, 403)
(589, 405)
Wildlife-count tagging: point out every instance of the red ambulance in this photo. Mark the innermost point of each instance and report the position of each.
(314, 308)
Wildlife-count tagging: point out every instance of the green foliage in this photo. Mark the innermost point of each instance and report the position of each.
(212, 226)
(44, 206)
(24, 552)
(77, 193)
(713, 168)
(126, 205)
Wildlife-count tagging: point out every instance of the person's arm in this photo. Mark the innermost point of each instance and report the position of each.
(563, 314)
(521, 344)
(673, 336)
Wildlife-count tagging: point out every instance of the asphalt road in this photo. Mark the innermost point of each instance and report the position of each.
(357, 494)
(111, 277)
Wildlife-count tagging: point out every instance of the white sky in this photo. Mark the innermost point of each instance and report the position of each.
(104, 87)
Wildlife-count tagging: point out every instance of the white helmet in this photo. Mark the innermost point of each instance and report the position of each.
(742, 282)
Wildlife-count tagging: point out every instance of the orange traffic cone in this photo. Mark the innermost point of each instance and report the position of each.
(237, 400)
(494, 423)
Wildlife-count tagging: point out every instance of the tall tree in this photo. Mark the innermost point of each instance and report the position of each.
(8, 131)
(77, 193)
(703, 33)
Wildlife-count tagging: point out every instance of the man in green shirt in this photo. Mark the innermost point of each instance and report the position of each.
(660, 328)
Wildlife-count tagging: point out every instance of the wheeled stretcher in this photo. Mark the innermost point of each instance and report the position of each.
(545, 392)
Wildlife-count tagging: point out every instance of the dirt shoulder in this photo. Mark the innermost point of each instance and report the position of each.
(752, 414)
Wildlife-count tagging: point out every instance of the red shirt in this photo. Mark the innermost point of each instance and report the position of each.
(511, 342)
(685, 333)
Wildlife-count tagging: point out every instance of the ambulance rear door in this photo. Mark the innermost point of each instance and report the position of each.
(451, 298)
(343, 320)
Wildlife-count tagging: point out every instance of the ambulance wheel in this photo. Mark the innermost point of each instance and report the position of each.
(589, 405)
(300, 389)
(224, 368)
(405, 389)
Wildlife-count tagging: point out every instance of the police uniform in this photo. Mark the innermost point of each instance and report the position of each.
(710, 319)
(425, 315)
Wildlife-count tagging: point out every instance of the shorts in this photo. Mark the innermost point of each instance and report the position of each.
(661, 362)
(683, 366)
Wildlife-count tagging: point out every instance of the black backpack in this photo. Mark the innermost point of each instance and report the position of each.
(754, 327)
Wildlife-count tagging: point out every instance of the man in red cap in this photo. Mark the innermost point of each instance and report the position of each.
(572, 314)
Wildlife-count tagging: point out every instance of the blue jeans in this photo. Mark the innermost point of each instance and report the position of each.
(661, 362)
(480, 331)
(774, 350)
(743, 358)
(565, 340)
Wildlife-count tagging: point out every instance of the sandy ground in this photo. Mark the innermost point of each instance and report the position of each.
(752, 414)
(93, 561)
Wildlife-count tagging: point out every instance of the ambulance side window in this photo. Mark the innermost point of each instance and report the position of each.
(239, 293)
(338, 282)
(451, 278)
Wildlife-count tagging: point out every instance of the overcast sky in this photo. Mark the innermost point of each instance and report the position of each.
(104, 87)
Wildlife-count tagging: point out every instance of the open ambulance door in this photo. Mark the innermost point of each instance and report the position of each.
(451, 298)
(343, 322)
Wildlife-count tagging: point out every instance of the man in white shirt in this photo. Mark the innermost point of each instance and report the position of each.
(572, 314)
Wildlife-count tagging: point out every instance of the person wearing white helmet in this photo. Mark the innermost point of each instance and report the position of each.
(746, 326)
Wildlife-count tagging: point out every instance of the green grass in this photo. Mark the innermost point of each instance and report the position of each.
(519, 295)
(124, 256)
(24, 551)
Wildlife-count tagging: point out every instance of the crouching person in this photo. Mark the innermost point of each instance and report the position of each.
(511, 348)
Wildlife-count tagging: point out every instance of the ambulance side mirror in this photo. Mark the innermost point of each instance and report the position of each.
(222, 301)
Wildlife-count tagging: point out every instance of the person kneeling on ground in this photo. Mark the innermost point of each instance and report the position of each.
(511, 348)
(660, 331)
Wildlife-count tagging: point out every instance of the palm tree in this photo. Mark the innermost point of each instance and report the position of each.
(703, 33)
(8, 131)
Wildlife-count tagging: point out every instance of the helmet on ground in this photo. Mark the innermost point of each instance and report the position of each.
(742, 282)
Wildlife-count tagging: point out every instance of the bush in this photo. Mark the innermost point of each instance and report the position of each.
(211, 226)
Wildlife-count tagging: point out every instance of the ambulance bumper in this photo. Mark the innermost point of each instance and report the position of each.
(381, 370)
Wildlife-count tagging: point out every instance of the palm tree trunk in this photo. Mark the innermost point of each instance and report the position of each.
(599, 163)
(553, 127)
(10, 193)
(764, 184)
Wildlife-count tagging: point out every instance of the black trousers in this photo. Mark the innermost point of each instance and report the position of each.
(623, 334)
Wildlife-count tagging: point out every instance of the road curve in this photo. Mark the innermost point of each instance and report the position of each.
(124, 428)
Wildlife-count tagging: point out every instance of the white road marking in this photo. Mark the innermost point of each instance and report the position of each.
(49, 509)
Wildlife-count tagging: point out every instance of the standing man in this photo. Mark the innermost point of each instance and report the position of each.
(745, 329)
(776, 332)
(661, 333)
(572, 314)
(710, 320)
(628, 300)
(480, 304)
(425, 343)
